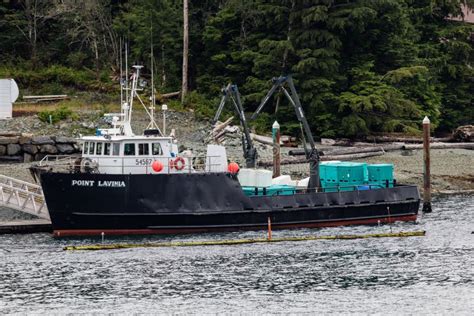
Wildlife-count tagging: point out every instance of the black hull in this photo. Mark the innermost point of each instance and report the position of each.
(89, 204)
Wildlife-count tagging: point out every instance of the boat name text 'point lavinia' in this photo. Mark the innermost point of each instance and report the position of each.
(90, 183)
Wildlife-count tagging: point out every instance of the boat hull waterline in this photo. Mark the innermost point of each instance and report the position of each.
(82, 204)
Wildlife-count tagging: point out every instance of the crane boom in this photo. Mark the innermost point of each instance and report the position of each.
(312, 154)
(231, 92)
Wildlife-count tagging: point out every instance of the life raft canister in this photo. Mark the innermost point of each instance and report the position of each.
(178, 163)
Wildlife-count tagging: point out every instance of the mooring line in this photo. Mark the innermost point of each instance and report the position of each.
(240, 241)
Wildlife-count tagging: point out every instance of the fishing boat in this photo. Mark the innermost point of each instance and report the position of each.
(125, 184)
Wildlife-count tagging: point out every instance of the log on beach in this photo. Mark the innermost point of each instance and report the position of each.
(464, 133)
(385, 146)
(220, 126)
(416, 140)
(343, 151)
(352, 156)
(263, 139)
(299, 160)
(441, 146)
(170, 95)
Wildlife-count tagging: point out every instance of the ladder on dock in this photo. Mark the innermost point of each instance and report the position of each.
(23, 196)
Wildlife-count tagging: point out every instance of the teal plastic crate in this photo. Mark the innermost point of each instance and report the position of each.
(353, 173)
(349, 176)
(363, 187)
(343, 173)
(331, 187)
(381, 175)
(271, 190)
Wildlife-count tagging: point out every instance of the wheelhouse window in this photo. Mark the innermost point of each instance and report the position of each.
(116, 149)
(129, 149)
(107, 149)
(99, 149)
(91, 148)
(156, 149)
(85, 148)
(143, 149)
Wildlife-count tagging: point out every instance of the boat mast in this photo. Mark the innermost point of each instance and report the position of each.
(152, 124)
(126, 107)
(126, 72)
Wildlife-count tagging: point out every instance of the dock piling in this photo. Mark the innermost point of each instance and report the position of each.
(269, 228)
(276, 149)
(426, 166)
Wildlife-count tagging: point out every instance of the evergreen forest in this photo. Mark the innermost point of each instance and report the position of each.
(360, 66)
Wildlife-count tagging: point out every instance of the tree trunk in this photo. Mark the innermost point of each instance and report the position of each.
(288, 38)
(32, 16)
(34, 40)
(163, 71)
(184, 87)
(96, 52)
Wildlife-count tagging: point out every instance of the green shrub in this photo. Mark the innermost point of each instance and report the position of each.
(55, 79)
(56, 115)
(202, 106)
(263, 123)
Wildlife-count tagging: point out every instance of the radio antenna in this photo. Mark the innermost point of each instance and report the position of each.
(152, 124)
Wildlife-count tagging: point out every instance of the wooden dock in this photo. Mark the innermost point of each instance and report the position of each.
(26, 226)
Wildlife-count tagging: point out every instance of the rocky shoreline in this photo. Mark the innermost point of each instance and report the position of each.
(22, 147)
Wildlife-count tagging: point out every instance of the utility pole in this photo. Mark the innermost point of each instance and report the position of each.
(184, 86)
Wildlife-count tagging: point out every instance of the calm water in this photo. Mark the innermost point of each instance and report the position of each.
(418, 275)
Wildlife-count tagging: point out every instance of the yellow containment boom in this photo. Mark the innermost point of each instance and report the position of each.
(240, 241)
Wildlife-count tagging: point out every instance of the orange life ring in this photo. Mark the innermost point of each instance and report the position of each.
(178, 163)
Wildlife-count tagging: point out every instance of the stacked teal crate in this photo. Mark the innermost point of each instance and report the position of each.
(328, 175)
(343, 176)
(276, 189)
(381, 175)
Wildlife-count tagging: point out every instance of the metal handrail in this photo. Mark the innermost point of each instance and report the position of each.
(23, 196)
(190, 165)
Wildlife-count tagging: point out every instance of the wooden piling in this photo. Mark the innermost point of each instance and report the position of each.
(426, 166)
(276, 149)
(269, 228)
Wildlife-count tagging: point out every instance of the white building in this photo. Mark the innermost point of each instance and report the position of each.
(8, 94)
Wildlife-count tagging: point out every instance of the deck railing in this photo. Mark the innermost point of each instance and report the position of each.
(22, 196)
(132, 164)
